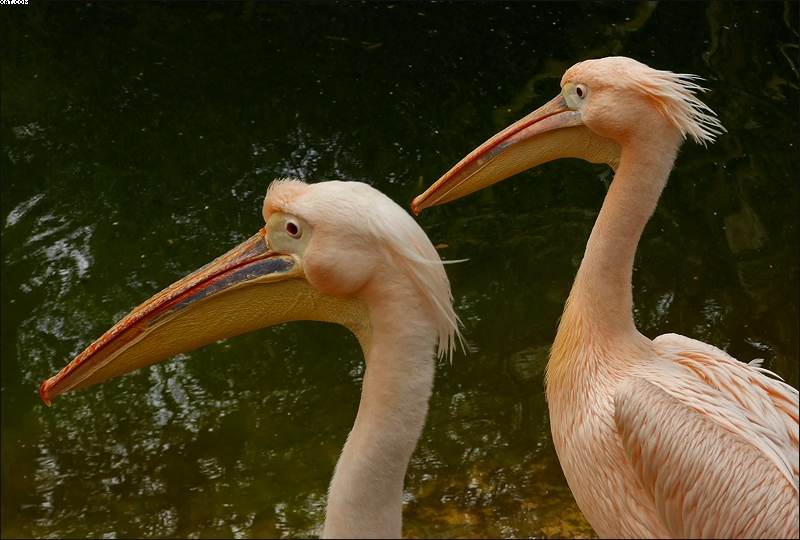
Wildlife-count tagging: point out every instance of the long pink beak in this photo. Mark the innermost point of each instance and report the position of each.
(552, 131)
(238, 292)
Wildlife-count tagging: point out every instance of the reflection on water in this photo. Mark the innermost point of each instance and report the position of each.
(138, 142)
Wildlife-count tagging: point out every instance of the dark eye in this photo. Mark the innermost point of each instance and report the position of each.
(293, 229)
(579, 92)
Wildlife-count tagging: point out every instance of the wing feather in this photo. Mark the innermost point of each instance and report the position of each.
(744, 398)
(686, 461)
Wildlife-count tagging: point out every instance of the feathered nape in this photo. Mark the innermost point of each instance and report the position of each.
(407, 245)
(412, 249)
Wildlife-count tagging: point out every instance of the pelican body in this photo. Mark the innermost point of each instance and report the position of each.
(338, 252)
(669, 437)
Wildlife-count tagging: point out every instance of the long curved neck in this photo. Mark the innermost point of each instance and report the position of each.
(599, 310)
(604, 278)
(365, 498)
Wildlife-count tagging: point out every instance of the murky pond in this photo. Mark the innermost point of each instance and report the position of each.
(138, 141)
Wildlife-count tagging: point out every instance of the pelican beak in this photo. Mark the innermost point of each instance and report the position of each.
(247, 288)
(553, 131)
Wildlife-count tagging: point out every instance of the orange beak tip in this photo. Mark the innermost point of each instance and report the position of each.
(414, 207)
(43, 393)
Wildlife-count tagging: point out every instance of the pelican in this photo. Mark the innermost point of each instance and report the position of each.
(669, 437)
(339, 252)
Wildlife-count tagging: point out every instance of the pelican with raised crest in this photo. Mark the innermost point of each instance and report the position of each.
(669, 437)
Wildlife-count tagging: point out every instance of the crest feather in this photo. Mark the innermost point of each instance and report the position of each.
(674, 94)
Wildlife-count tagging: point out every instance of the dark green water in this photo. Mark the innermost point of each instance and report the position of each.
(138, 142)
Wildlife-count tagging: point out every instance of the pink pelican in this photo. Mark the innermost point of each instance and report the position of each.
(669, 437)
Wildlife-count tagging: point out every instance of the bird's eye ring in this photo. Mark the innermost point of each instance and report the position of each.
(293, 229)
(580, 92)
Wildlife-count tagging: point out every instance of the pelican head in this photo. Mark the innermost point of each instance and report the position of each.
(599, 111)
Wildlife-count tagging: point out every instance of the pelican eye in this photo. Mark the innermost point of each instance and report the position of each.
(293, 229)
(575, 95)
